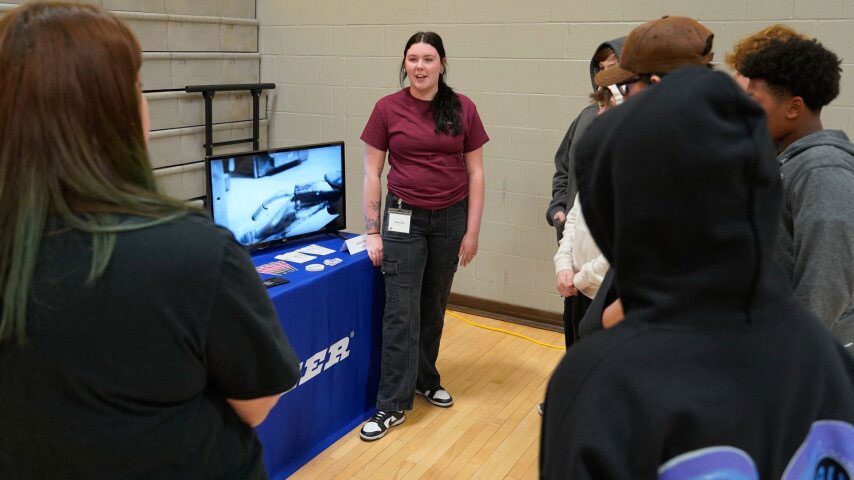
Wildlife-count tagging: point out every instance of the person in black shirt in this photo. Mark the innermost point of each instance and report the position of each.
(136, 340)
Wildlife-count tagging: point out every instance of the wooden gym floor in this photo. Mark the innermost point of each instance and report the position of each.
(493, 429)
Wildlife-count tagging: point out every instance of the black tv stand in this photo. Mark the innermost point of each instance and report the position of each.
(208, 92)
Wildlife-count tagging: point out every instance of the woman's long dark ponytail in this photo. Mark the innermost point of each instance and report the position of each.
(446, 105)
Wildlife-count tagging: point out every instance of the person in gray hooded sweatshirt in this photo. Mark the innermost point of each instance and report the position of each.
(563, 182)
(793, 80)
(564, 186)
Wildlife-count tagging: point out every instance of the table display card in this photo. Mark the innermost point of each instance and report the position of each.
(314, 249)
(295, 257)
(355, 245)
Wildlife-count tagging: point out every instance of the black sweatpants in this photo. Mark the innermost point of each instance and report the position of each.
(574, 309)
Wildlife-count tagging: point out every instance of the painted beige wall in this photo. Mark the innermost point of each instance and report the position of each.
(525, 66)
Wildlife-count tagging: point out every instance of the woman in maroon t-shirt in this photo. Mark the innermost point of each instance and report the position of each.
(431, 221)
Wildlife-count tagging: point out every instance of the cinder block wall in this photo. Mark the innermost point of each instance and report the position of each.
(525, 66)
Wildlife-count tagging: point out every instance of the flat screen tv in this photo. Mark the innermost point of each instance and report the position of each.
(268, 197)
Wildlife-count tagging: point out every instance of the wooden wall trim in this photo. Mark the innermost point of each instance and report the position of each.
(531, 317)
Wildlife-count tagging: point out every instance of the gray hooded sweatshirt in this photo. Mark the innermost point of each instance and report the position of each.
(563, 183)
(816, 243)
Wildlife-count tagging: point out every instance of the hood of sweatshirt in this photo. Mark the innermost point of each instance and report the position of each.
(616, 45)
(681, 190)
(822, 138)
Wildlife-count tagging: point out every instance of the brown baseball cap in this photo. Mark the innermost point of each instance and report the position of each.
(660, 46)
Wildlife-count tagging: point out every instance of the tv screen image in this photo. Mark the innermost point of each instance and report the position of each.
(265, 197)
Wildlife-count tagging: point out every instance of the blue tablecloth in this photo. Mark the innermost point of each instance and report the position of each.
(333, 320)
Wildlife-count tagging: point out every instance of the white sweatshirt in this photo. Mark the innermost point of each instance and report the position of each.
(579, 253)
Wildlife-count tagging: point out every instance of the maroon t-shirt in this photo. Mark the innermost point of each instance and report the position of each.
(427, 169)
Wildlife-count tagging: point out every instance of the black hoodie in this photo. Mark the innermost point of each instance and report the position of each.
(715, 368)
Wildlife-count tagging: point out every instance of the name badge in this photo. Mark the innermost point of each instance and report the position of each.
(398, 220)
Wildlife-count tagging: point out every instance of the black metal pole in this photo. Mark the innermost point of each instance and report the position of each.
(208, 94)
(256, 118)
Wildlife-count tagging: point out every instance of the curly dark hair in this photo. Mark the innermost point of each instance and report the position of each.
(757, 41)
(796, 67)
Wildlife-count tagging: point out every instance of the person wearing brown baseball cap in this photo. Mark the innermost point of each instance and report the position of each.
(657, 48)
(651, 51)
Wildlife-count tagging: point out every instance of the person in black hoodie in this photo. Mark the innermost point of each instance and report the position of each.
(716, 371)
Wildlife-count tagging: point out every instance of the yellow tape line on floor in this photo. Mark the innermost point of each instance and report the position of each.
(455, 315)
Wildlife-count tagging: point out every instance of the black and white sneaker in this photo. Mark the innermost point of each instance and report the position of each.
(541, 407)
(378, 425)
(437, 396)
